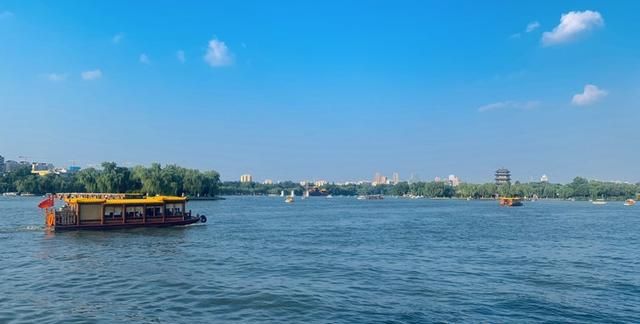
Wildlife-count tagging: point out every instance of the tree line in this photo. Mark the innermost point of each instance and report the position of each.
(111, 178)
(579, 188)
(175, 180)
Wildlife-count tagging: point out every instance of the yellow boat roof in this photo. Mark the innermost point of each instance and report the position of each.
(156, 200)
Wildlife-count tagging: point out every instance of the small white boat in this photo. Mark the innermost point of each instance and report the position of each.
(599, 202)
(290, 199)
(629, 202)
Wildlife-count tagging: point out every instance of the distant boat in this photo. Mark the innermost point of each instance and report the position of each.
(282, 193)
(510, 202)
(370, 197)
(629, 202)
(329, 196)
(599, 201)
(290, 199)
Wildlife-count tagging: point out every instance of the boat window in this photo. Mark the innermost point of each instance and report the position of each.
(112, 211)
(173, 209)
(134, 211)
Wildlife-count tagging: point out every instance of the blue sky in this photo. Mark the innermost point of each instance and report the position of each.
(326, 90)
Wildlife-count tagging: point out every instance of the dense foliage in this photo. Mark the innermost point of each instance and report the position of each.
(579, 188)
(111, 178)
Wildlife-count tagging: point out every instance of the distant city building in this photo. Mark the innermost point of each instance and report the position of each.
(246, 178)
(268, 182)
(42, 168)
(2, 168)
(320, 183)
(73, 169)
(11, 166)
(303, 183)
(503, 176)
(544, 178)
(453, 180)
(437, 179)
(379, 179)
(395, 179)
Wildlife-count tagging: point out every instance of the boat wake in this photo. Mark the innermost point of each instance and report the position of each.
(19, 229)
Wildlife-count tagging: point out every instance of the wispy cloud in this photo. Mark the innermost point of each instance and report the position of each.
(5, 14)
(55, 77)
(117, 38)
(144, 59)
(91, 75)
(589, 95)
(218, 54)
(180, 56)
(572, 24)
(509, 105)
(532, 26)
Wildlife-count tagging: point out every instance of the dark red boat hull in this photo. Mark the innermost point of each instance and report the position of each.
(59, 228)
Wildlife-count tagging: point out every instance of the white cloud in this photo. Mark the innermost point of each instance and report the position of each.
(571, 25)
(509, 105)
(144, 59)
(91, 75)
(6, 14)
(218, 54)
(590, 95)
(117, 38)
(532, 26)
(180, 56)
(56, 77)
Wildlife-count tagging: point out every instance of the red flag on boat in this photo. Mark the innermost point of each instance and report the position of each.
(47, 203)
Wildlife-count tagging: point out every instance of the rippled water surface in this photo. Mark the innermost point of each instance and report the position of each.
(330, 261)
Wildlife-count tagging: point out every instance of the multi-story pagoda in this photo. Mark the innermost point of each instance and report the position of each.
(503, 176)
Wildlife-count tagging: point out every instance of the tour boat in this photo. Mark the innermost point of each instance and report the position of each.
(510, 202)
(629, 202)
(105, 211)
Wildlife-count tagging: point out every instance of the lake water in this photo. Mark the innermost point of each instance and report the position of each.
(334, 260)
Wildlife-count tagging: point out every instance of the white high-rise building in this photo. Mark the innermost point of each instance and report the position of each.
(453, 180)
(544, 178)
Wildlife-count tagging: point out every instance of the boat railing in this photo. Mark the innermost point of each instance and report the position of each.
(66, 217)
